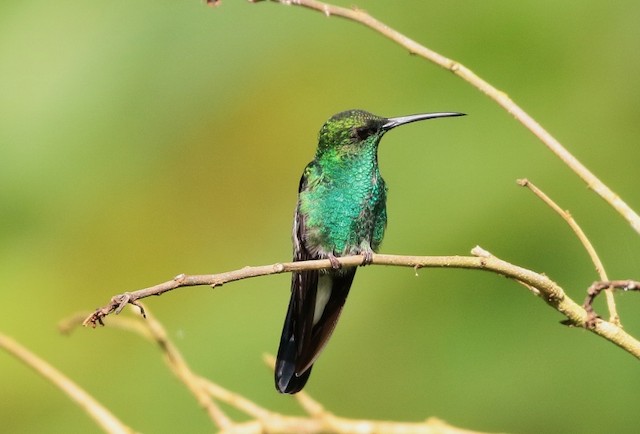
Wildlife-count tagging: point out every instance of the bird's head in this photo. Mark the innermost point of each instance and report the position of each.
(349, 131)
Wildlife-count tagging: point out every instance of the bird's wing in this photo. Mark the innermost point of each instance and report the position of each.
(314, 309)
(299, 320)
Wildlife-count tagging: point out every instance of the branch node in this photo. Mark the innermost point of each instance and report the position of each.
(591, 321)
(122, 300)
(180, 277)
(480, 252)
(597, 287)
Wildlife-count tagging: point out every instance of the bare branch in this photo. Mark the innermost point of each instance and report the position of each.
(320, 420)
(100, 414)
(263, 420)
(119, 301)
(153, 331)
(181, 369)
(544, 287)
(501, 98)
(235, 400)
(597, 287)
(613, 314)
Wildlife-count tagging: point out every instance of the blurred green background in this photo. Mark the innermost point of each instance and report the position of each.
(139, 140)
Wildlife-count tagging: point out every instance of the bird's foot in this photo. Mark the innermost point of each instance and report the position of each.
(368, 257)
(335, 264)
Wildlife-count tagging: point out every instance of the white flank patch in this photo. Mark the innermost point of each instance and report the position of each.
(322, 296)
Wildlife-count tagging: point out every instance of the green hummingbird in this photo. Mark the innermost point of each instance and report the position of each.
(341, 211)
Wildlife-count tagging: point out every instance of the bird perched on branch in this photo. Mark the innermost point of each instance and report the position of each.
(341, 211)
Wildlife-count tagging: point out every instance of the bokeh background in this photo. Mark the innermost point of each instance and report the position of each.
(139, 140)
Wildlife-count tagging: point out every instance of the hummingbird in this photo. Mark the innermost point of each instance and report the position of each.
(341, 211)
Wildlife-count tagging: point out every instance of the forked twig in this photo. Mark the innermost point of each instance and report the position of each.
(597, 287)
(566, 216)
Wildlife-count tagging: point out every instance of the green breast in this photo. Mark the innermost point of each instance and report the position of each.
(344, 204)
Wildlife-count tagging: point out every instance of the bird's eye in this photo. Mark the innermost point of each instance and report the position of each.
(361, 133)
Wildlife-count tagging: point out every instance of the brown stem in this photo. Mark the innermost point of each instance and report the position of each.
(566, 216)
(544, 287)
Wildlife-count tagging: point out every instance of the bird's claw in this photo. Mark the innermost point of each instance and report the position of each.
(335, 264)
(367, 257)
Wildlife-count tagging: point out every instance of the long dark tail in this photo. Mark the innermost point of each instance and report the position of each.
(287, 381)
(303, 337)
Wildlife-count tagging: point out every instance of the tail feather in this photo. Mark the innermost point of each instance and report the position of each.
(314, 309)
(287, 381)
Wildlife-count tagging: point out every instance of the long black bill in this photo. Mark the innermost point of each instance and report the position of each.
(395, 122)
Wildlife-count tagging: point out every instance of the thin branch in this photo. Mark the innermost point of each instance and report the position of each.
(181, 369)
(319, 420)
(295, 425)
(501, 98)
(597, 287)
(234, 399)
(566, 216)
(153, 331)
(325, 421)
(547, 289)
(103, 417)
